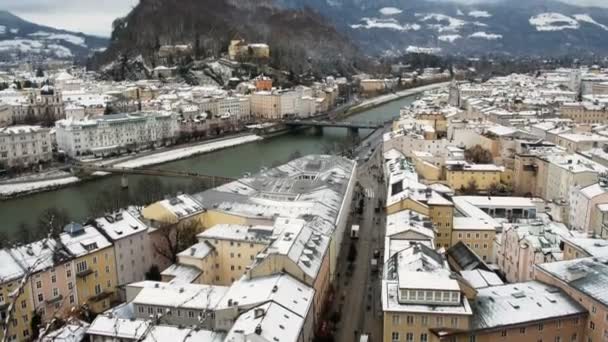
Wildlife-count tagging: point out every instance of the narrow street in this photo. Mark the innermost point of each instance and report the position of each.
(359, 289)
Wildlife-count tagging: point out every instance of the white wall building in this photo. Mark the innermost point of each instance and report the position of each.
(115, 133)
(25, 145)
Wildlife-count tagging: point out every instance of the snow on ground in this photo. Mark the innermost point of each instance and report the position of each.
(480, 14)
(553, 22)
(484, 35)
(419, 49)
(2, 29)
(587, 19)
(16, 188)
(179, 153)
(459, 12)
(453, 24)
(14, 31)
(39, 176)
(70, 38)
(390, 11)
(391, 24)
(450, 38)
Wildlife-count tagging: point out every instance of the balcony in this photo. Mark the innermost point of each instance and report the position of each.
(103, 295)
(54, 300)
(84, 273)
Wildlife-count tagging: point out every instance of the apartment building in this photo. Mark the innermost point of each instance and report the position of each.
(11, 275)
(23, 146)
(96, 277)
(234, 248)
(477, 234)
(584, 281)
(52, 280)
(132, 245)
(116, 133)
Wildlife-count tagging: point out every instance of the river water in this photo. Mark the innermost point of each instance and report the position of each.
(233, 162)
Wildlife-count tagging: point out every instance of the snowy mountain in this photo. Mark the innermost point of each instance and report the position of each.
(20, 39)
(519, 27)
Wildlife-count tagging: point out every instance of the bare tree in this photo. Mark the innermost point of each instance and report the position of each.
(176, 237)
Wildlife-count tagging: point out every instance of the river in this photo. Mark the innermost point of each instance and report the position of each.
(233, 162)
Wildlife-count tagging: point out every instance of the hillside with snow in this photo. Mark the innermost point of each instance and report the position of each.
(22, 40)
(518, 27)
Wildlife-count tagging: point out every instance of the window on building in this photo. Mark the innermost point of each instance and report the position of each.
(424, 337)
(410, 320)
(396, 319)
(558, 339)
(394, 336)
(574, 337)
(81, 266)
(97, 289)
(409, 337)
(591, 325)
(503, 333)
(454, 322)
(541, 327)
(522, 330)
(472, 338)
(40, 298)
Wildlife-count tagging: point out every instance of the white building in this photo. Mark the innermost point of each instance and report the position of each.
(116, 133)
(239, 107)
(133, 248)
(25, 145)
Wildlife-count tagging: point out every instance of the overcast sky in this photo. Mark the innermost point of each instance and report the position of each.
(96, 16)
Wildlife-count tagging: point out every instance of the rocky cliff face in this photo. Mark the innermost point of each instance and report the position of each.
(300, 39)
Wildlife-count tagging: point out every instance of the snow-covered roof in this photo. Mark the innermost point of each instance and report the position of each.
(188, 296)
(513, 304)
(160, 333)
(197, 251)
(480, 278)
(112, 326)
(182, 274)
(588, 275)
(301, 244)
(86, 241)
(282, 289)
(9, 268)
(234, 232)
(592, 246)
(22, 129)
(120, 225)
(270, 322)
(182, 205)
(71, 332)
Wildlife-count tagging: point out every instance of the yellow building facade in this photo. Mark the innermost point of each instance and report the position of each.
(23, 308)
(483, 176)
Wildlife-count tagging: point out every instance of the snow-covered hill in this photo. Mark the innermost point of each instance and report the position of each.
(20, 39)
(545, 27)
